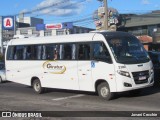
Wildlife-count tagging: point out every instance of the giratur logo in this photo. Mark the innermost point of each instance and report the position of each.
(54, 67)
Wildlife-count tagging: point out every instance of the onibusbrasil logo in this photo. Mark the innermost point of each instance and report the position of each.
(54, 67)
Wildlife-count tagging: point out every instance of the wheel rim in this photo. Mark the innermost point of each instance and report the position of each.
(104, 92)
(37, 86)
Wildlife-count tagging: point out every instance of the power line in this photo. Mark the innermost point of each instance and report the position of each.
(72, 18)
(85, 23)
(71, 4)
(83, 19)
(43, 8)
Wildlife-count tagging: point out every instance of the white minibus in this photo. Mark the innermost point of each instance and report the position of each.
(103, 62)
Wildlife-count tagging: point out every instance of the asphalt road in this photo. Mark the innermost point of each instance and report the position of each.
(17, 97)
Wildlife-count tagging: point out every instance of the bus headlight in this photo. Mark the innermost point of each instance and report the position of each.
(123, 73)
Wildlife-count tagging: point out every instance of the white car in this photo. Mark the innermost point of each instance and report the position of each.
(2, 72)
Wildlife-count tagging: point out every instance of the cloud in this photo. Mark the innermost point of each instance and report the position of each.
(23, 11)
(61, 7)
(145, 2)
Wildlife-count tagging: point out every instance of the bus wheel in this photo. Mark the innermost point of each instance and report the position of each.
(37, 86)
(104, 91)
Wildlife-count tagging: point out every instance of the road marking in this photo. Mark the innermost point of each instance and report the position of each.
(69, 97)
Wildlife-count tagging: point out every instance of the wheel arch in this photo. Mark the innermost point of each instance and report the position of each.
(99, 81)
(34, 78)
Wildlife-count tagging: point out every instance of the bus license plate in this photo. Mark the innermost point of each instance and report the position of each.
(142, 77)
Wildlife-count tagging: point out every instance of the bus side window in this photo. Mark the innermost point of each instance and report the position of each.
(28, 53)
(18, 53)
(73, 51)
(56, 52)
(43, 53)
(84, 51)
(100, 52)
(24, 52)
(10, 53)
(38, 49)
(67, 52)
(49, 51)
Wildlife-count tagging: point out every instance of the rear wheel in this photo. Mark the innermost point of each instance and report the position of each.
(37, 86)
(104, 91)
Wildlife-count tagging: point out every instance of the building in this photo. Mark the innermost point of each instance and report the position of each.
(31, 31)
(143, 25)
(21, 23)
(32, 21)
(26, 27)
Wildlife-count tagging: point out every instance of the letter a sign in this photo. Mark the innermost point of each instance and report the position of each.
(8, 23)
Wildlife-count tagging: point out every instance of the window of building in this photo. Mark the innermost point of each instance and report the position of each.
(60, 32)
(48, 33)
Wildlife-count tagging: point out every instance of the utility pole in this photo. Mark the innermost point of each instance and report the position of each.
(106, 15)
(15, 25)
(1, 36)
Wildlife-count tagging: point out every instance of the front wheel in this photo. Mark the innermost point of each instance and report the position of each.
(37, 86)
(104, 91)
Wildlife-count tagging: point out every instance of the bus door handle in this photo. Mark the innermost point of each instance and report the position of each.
(45, 72)
(84, 74)
(18, 71)
(8, 70)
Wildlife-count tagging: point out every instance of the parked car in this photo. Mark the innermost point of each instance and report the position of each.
(2, 72)
(155, 57)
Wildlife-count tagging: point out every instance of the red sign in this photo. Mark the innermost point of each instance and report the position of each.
(54, 26)
(8, 22)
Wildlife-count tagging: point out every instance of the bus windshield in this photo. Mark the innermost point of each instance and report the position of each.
(127, 49)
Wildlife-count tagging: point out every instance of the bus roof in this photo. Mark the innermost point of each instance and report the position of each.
(63, 38)
(53, 39)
